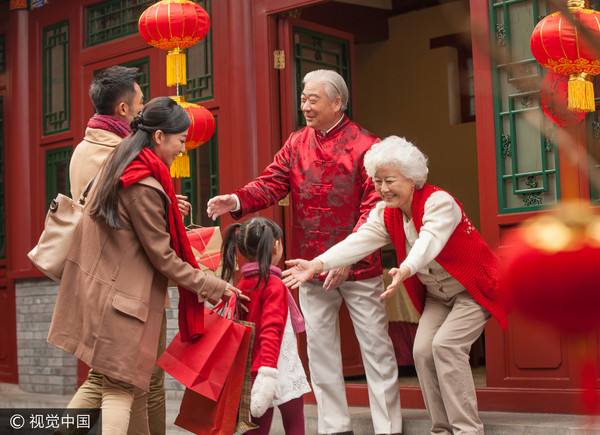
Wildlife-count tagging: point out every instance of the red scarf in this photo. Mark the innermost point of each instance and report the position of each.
(147, 164)
(114, 124)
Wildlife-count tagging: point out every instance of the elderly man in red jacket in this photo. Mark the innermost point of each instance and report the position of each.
(321, 167)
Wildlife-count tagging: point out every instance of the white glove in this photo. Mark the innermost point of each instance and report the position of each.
(264, 390)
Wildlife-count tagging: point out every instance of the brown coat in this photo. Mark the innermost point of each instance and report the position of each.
(112, 294)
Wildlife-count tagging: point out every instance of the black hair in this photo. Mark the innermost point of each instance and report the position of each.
(161, 113)
(254, 239)
(111, 86)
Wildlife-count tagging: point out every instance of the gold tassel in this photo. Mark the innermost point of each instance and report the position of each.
(581, 93)
(176, 68)
(180, 168)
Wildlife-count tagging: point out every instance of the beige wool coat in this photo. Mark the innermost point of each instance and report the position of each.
(89, 156)
(112, 293)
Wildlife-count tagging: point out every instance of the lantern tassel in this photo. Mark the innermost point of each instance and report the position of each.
(180, 168)
(176, 67)
(581, 93)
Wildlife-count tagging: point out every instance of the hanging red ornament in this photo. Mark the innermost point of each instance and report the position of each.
(202, 127)
(558, 45)
(174, 25)
(565, 245)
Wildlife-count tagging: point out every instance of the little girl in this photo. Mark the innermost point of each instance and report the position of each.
(279, 379)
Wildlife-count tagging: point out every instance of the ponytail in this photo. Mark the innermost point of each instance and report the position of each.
(264, 253)
(230, 246)
(254, 239)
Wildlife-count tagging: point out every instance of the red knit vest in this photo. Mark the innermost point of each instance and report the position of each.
(466, 257)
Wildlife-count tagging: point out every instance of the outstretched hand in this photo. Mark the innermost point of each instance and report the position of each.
(300, 271)
(398, 275)
(220, 205)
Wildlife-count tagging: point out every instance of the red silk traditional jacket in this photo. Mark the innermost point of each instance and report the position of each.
(330, 191)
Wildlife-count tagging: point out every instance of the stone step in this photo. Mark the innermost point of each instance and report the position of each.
(416, 422)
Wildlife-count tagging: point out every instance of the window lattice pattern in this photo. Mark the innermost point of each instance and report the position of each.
(527, 161)
(57, 173)
(112, 19)
(143, 77)
(200, 84)
(55, 78)
(593, 141)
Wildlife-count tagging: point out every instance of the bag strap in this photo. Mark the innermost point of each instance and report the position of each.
(86, 191)
(228, 309)
(192, 225)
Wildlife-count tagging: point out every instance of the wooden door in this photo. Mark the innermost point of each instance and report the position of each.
(306, 47)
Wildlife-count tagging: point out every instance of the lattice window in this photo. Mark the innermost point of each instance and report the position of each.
(112, 19)
(527, 161)
(143, 77)
(593, 141)
(313, 50)
(2, 54)
(204, 181)
(55, 78)
(57, 173)
(200, 79)
(2, 184)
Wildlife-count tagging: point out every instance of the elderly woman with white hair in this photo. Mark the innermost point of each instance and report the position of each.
(449, 272)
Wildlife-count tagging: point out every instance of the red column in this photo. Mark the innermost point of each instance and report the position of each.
(19, 148)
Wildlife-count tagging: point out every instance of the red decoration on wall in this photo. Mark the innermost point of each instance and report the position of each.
(174, 25)
(558, 45)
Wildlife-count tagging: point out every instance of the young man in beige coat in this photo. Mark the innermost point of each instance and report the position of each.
(117, 99)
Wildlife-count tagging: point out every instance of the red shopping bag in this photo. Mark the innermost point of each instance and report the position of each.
(206, 245)
(202, 416)
(203, 365)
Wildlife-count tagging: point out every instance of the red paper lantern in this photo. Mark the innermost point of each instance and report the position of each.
(201, 129)
(551, 269)
(560, 47)
(174, 25)
(550, 272)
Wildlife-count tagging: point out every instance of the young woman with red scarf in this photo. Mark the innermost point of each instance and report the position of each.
(131, 242)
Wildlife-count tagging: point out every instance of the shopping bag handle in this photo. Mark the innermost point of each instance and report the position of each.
(227, 309)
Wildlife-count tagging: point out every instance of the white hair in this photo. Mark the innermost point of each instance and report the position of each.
(335, 86)
(396, 152)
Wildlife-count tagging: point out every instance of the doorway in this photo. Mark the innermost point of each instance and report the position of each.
(410, 74)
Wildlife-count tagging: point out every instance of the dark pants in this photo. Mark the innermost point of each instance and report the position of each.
(292, 415)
